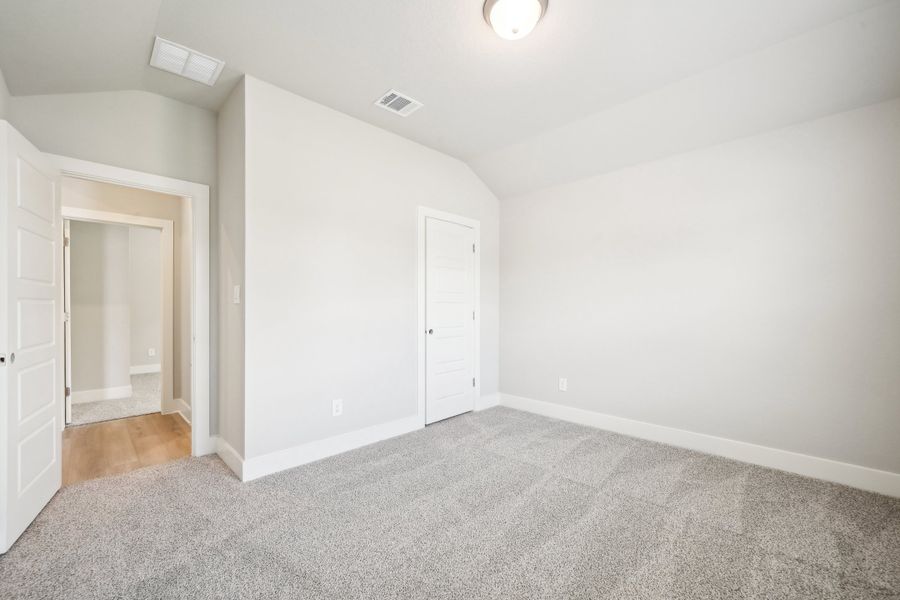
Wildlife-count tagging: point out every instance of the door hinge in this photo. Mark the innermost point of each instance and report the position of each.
(66, 242)
(68, 391)
(473, 382)
(473, 315)
(473, 248)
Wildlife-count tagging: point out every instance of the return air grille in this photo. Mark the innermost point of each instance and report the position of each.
(398, 103)
(183, 61)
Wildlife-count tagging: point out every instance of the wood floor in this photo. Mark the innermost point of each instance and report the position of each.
(113, 447)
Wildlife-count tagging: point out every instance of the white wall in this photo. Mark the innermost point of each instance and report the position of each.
(748, 290)
(231, 153)
(130, 129)
(331, 268)
(135, 130)
(145, 295)
(100, 306)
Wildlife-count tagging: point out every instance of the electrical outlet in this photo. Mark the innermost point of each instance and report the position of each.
(563, 384)
(151, 352)
(337, 407)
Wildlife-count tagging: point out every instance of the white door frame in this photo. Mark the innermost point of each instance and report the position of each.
(198, 194)
(424, 213)
(168, 402)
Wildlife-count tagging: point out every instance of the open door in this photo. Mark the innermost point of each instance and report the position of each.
(31, 340)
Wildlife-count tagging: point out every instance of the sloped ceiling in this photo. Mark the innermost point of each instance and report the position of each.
(599, 84)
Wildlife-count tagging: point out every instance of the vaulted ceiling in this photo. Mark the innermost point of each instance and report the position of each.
(599, 84)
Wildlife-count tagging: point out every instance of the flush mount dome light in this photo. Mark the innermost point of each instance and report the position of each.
(514, 19)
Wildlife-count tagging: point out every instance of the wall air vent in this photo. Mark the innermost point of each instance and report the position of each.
(398, 103)
(183, 61)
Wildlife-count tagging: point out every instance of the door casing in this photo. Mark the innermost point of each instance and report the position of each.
(424, 213)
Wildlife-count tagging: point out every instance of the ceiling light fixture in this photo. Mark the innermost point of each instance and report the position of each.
(514, 19)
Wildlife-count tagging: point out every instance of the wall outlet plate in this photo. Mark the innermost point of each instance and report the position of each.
(151, 352)
(337, 407)
(563, 384)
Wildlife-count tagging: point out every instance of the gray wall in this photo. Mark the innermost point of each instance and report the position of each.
(748, 291)
(135, 130)
(100, 306)
(4, 98)
(231, 137)
(331, 268)
(145, 294)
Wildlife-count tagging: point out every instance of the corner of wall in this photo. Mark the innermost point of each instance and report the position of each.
(231, 161)
(4, 98)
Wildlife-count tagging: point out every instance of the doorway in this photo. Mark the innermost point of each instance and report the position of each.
(118, 326)
(126, 329)
(449, 317)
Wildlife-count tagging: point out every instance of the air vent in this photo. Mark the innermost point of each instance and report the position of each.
(183, 61)
(398, 103)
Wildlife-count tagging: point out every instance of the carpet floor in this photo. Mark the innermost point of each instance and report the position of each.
(146, 392)
(498, 504)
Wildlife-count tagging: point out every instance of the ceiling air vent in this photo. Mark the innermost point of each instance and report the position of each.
(398, 103)
(183, 61)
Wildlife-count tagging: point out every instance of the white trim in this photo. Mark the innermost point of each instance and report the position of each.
(111, 393)
(229, 456)
(144, 369)
(201, 441)
(182, 408)
(424, 212)
(874, 480)
(488, 401)
(260, 466)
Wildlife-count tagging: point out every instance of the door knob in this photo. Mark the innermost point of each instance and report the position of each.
(430, 331)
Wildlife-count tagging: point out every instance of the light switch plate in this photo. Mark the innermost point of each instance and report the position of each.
(563, 384)
(236, 295)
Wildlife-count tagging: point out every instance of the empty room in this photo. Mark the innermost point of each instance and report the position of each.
(463, 299)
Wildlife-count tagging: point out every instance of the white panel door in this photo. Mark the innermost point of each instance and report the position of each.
(449, 319)
(31, 344)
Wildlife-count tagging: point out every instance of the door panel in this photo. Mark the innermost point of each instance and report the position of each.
(31, 392)
(449, 319)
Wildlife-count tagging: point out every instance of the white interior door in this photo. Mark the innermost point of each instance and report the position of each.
(31, 385)
(449, 319)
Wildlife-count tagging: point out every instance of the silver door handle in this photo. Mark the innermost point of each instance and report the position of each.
(12, 358)
(430, 331)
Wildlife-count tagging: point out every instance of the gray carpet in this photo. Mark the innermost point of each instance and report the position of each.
(499, 504)
(145, 399)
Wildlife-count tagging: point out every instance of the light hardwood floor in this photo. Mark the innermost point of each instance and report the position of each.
(122, 445)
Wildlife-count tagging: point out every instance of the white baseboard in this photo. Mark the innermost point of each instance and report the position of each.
(487, 401)
(182, 408)
(112, 393)
(144, 369)
(260, 466)
(230, 457)
(873, 480)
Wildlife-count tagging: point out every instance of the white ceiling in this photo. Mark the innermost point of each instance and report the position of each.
(483, 96)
